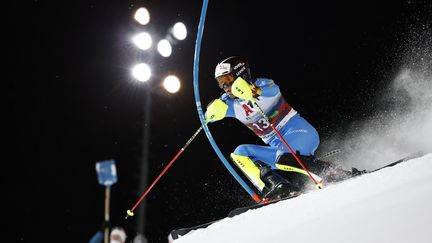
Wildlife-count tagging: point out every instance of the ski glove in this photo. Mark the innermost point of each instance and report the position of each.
(245, 90)
(216, 110)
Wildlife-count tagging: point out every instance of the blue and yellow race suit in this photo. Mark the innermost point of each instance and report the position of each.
(297, 132)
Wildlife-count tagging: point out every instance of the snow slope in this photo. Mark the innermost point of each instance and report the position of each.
(391, 205)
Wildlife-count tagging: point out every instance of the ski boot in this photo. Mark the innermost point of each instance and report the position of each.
(276, 187)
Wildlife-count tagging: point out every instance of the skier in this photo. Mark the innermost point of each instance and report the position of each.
(260, 163)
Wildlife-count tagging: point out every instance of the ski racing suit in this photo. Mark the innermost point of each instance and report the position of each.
(297, 132)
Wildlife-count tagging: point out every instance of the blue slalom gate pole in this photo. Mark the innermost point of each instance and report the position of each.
(201, 114)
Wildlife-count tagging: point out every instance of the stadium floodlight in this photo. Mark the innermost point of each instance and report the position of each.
(171, 84)
(179, 31)
(164, 48)
(142, 72)
(142, 16)
(143, 40)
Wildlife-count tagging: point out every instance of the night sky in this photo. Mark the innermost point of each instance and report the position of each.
(71, 100)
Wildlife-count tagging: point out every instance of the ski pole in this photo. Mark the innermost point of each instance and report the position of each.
(131, 211)
(328, 154)
(318, 185)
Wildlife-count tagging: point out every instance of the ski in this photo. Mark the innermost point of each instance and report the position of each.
(412, 156)
(177, 233)
(241, 210)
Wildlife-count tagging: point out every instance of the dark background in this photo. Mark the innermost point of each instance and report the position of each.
(71, 100)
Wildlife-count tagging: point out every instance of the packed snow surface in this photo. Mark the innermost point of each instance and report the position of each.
(390, 205)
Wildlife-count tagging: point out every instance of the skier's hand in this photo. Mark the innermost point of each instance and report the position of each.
(245, 90)
(216, 110)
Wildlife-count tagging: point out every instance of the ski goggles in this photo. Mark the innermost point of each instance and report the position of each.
(226, 79)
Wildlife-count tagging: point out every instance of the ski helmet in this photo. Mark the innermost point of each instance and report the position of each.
(234, 65)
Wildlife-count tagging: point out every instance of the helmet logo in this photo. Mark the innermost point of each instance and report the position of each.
(238, 65)
(240, 71)
(222, 69)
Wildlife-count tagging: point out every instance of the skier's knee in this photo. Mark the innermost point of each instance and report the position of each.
(241, 150)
